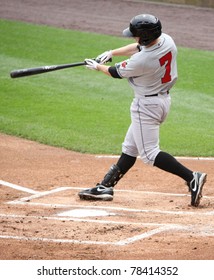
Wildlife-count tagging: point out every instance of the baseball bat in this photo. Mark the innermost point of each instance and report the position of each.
(42, 69)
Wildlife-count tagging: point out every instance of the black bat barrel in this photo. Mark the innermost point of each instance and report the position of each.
(43, 69)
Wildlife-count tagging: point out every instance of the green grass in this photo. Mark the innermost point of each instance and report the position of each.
(86, 111)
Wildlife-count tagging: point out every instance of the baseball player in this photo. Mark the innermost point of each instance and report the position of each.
(151, 71)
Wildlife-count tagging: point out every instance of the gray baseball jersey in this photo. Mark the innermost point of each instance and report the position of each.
(153, 70)
(151, 73)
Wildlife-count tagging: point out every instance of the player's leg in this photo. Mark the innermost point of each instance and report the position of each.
(104, 190)
(195, 180)
(147, 115)
(146, 121)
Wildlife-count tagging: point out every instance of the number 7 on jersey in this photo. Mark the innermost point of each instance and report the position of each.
(166, 60)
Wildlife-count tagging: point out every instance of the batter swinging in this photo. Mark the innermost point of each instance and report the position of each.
(151, 71)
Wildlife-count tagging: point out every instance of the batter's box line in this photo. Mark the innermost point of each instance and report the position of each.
(59, 189)
(34, 194)
(85, 220)
(17, 187)
(179, 158)
(119, 209)
(38, 195)
(26, 200)
(124, 242)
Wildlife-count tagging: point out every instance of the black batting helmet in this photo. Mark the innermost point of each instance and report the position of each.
(146, 27)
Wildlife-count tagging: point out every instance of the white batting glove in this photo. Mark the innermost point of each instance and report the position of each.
(91, 64)
(104, 57)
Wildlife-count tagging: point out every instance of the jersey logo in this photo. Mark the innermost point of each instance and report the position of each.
(123, 64)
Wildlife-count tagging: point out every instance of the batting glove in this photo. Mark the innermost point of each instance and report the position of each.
(91, 64)
(104, 57)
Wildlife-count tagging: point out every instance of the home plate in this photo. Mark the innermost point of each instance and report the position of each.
(81, 213)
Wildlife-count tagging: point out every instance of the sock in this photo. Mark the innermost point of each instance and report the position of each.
(125, 162)
(168, 163)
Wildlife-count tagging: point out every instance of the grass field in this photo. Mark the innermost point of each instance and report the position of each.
(86, 111)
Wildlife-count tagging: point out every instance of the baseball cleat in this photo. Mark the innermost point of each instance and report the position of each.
(100, 192)
(196, 186)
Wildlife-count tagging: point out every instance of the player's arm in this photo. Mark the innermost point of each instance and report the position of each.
(108, 70)
(93, 65)
(127, 50)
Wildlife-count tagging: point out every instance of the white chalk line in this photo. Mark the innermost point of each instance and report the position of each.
(144, 192)
(134, 191)
(43, 239)
(161, 228)
(148, 234)
(90, 242)
(121, 242)
(179, 158)
(37, 195)
(74, 219)
(59, 189)
(45, 193)
(27, 201)
(19, 188)
(132, 210)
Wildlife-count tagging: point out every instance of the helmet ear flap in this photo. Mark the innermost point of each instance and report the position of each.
(149, 36)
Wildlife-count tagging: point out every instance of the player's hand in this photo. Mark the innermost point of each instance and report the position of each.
(105, 57)
(91, 64)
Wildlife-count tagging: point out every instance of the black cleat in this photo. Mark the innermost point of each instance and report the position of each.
(100, 192)
(196, 186)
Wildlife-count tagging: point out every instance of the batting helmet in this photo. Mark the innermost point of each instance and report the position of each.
(146, 27)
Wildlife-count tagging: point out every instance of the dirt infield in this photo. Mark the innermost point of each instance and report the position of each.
(150, 216)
